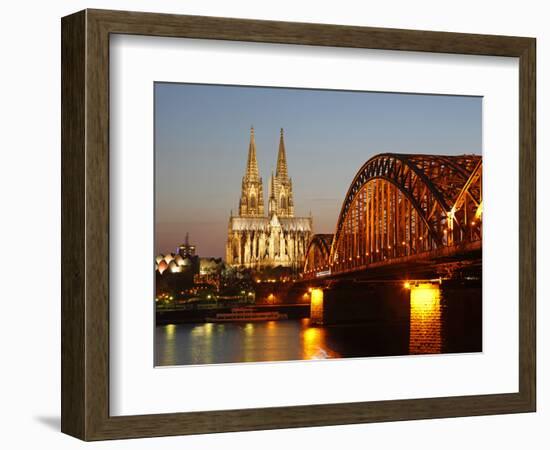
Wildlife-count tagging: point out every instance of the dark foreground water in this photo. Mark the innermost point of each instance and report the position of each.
(434, 323)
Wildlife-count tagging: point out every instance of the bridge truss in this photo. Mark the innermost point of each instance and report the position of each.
(400, 205)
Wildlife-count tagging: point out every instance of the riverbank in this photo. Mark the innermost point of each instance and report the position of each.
(177, 316)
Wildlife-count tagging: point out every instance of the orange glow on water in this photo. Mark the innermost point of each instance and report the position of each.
(170, 330)
(249, 329)
(314, 345)
(312, 339)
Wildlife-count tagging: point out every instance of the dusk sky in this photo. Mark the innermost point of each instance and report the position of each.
(201, 145)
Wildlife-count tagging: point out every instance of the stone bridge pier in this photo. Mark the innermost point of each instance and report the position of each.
(353, 302)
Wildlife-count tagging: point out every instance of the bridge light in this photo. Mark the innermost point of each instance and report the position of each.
(389, 246)
(473, 223)
(451, 216)
(420, 238)
(403, 243)
(407, 285)
(479, 210)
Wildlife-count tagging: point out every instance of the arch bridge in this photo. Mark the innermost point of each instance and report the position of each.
(402, 206)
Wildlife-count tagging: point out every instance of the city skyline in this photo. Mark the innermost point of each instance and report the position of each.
(202, 137)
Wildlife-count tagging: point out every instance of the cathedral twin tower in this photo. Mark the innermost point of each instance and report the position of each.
(257, 240)
(280, 186)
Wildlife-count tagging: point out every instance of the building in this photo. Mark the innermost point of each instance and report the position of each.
(186, 250)
(259, 240)
(210, 271)
(183, 260)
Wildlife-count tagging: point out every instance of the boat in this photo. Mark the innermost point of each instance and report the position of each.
(247, 315)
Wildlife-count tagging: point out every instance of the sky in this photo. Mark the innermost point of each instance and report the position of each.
(201, 144)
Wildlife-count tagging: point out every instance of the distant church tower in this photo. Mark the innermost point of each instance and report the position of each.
(258, 240)
(281, 201)
(252, 194)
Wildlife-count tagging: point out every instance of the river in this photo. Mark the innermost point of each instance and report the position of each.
(435, 323)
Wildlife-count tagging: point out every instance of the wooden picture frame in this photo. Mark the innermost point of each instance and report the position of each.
(85, 224)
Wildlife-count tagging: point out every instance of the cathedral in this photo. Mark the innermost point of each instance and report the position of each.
(259, 240)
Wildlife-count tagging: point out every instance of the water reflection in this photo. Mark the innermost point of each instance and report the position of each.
(169, 339)
(201, 341)
(425, 319)
(437, 319)
(207, 343)
(313, 343)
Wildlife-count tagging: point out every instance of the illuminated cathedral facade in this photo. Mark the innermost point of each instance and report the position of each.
(259, 240)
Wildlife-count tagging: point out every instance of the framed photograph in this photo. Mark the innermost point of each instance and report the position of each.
(272, 225)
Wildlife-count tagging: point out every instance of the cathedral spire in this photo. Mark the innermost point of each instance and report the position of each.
(282, 171)
(272, 200)
(282, 203)
(252, 197)
(252, 172)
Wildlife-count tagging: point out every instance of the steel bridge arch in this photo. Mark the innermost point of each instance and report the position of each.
(431, 183)
(318, 252)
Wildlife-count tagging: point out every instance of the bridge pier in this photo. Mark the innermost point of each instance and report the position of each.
(425, 316)
(353, 302)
